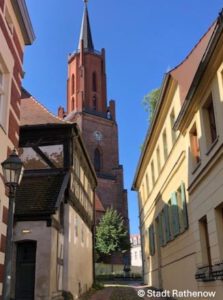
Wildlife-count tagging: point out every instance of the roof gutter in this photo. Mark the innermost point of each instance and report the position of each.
(24, 20)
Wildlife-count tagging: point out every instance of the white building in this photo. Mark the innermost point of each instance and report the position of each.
(136, 253)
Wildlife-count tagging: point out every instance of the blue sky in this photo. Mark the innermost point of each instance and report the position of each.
(143, 39)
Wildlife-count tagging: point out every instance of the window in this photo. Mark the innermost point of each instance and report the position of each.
(81, 175)
(222, 78)
(180, 209)
(204, 240)
(159, 226)
(166, 223)
(94, 82)
(175, 215)
(1, 94)
(136, 255)
(76, 226)
(77, 166)
(158, 159)
(153, 173)
(97, 160)
(178, 216)
(147, 184)
(209, 121)
(73, 103)
(73, 84)
(82, 233)
(143, 193)
(172, 121)
(219, 225)
(151, 240)
(165, 148)
(170, 215)
(134, 241)
(94, 102)
(194, 145)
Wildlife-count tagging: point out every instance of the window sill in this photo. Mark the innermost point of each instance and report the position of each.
(196, 167)
(212, 146)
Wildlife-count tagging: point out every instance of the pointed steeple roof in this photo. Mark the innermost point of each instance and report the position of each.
(85, 33)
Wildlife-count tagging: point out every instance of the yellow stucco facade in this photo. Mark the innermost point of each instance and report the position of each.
(179, 178)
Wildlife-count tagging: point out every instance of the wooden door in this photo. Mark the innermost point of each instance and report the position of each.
(25, 270)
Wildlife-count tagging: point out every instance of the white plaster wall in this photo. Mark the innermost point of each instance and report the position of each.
(78, 258)
(43, 235)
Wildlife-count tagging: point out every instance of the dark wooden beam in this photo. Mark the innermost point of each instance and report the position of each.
(44, 157)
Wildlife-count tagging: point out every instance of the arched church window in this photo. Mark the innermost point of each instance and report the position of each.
(94, 82)
(73, 103)
(97, 160)
(73, 84)
(94, 102)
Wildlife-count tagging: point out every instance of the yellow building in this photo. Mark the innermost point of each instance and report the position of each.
(179, 177)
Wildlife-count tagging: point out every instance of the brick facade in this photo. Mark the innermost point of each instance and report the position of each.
(87, 105)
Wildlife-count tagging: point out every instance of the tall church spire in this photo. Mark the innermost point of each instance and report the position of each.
(85, 33)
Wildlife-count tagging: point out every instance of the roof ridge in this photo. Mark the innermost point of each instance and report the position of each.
(195, 46)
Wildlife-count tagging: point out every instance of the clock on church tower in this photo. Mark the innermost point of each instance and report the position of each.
(87, 106)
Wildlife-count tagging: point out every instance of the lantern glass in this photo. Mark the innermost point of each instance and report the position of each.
(12, 170)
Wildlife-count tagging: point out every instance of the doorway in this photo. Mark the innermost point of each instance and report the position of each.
(25, 270)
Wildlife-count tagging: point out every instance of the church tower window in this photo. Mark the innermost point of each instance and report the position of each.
(97, 160)
(94, 82)
(73, 84)
(73, 103)
(94, 102)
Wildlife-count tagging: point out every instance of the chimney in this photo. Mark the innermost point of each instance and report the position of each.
(61, 112)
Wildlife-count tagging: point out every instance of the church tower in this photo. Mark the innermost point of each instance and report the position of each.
(87, 106)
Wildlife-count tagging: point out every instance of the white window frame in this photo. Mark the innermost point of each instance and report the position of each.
(6, 65)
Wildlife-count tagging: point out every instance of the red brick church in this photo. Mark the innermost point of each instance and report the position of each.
(87, 106)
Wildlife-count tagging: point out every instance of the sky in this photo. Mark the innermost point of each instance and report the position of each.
(143, 40)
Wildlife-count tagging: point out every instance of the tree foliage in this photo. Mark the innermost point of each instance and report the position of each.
(111, 234)
(150, 101)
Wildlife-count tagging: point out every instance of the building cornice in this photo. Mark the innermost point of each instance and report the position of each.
(151, 128)
(24, 20)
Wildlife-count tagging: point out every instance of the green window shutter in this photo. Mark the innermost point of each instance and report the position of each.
(167, 222)
(160, 229)
(164, 228)
(175, 215)
(151, 240)
(184, 203)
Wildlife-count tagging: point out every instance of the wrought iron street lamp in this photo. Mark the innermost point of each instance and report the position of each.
(12, 171)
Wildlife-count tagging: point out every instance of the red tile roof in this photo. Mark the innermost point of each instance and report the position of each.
(33, 112)
(184, 73)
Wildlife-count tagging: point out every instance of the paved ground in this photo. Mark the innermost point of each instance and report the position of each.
(120, 292)
(104, 294)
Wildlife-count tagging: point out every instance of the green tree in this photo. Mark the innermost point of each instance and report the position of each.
(111, 234)
(150, 101)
